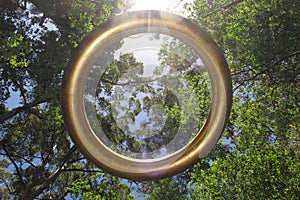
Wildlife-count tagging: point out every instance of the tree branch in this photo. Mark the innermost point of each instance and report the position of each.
(267, 68)
(133, 82)
(31, 191)
(14, 163)
(6, 185)
(25, 159)
(20, 109)
(223, 7)
(284, 58)
(81, 170)
(59, 17)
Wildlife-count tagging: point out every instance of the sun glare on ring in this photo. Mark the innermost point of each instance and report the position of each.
(162, 5)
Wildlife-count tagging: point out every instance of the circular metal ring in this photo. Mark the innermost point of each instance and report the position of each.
(76, 75)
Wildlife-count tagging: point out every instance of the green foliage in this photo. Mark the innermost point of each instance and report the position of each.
(169, 188)
(253, 35)
(260, 40)
(100, 186)
(258, 173)
(259, 166)
(18, 59)
(4, 179)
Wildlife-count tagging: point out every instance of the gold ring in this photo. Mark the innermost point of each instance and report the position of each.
(76, 74)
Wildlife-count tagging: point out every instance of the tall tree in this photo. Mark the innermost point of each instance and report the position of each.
(260, 40)
(38, 159)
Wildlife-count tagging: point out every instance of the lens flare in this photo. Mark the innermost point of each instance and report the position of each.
(173, 6)
(162, 5)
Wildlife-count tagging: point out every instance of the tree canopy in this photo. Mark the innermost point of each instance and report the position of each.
(258, 155)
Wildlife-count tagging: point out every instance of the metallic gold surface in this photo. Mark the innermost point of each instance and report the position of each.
(77, 72)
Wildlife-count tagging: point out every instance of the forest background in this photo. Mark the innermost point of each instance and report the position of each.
(258, 155)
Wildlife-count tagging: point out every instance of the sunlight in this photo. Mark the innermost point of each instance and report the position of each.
(173, 6)
(150, 5)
